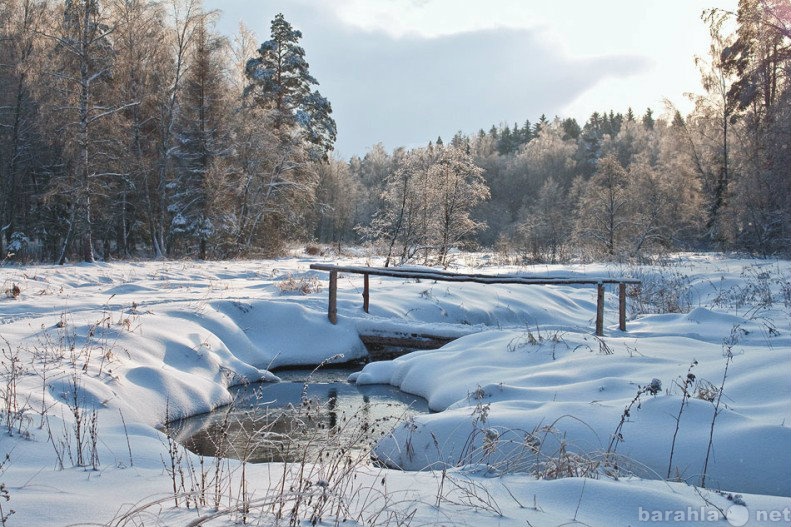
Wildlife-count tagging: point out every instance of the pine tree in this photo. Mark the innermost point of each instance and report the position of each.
(527, 132)
(759, 55)
(459, 140)
(571, 129)
(606, 125)
(590, 145)
(280, 81)
(201, 142)
(337, 203)
(542, 122)
(648, 119)
(505, 144)
(616, 120)
(759, 60)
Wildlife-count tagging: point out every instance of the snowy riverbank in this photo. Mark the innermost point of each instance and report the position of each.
(132, 344)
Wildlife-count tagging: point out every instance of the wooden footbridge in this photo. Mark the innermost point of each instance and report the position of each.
(444, 276)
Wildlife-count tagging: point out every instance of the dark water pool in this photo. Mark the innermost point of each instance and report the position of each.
(307, 416)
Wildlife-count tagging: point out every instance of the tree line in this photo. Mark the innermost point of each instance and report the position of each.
(627, 186)
(132, 128)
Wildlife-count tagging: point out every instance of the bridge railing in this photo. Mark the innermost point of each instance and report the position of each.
(445, 276)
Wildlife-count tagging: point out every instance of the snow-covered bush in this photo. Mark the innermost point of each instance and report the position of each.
(663, 290)
(303, 284)
(762, 287)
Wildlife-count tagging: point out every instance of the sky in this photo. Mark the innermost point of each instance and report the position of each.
(403, 72)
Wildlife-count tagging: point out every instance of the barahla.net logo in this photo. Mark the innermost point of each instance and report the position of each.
(737, 516)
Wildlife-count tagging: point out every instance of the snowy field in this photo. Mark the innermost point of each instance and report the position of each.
(537, 423)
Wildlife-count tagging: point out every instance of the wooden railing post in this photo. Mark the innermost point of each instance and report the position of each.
(599, 309)
(365, 292)
(332, 311)
(622, 306)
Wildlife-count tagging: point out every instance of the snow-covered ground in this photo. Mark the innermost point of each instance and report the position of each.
(527, 399)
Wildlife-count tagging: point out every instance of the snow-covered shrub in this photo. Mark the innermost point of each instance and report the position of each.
(663, 290)
(304, 285)
(762, 287)
(567, 464)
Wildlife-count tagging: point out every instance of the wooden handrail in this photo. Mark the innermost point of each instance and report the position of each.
(445, 276)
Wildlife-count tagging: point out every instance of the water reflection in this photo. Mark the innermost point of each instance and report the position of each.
(294, 421)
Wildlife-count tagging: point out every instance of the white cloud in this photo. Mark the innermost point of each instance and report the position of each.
(404, 71)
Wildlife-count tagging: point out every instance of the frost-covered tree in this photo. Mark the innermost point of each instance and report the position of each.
(141, 73)
(762, 196)
(546, 225)
(426, 204)
(713, 113)
(395, 223)
(759, 60)
(83, 69)
(20, 147)
(677, 168)
(272, 184)
(337, 203)
(460, 187)
(632, 141)
(603, 215)
(280, 81)
(242, 46)
(371, 171)
(651, 226)
(109, 133)
(549, 156)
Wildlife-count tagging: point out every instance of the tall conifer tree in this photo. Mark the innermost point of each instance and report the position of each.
(280, 81)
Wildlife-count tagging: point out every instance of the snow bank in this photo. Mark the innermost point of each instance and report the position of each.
(137, 343)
